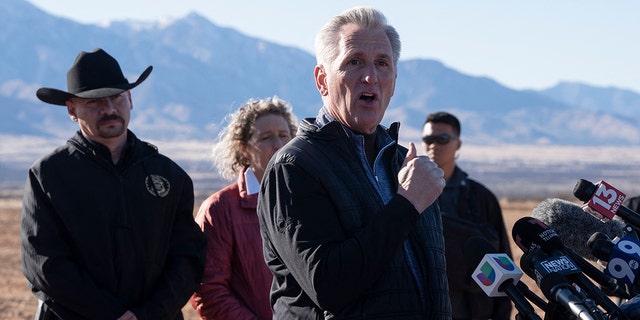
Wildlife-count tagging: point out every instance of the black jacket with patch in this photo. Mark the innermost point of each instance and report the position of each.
(99, 239)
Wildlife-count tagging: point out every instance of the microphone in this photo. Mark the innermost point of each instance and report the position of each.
(549, 273)
(557, 289)
(496, 274)
(622, 257)
(601, 246)
(552, 309)
(574, 226)
(604, 201)
(530, 232)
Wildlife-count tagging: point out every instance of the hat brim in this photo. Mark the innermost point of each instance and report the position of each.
(59, 97)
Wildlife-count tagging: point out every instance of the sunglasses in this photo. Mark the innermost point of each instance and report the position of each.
(439, 139)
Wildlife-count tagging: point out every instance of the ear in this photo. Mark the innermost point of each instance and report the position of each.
(459, 144)
(321, 80)
(130, 101)
(71, 110)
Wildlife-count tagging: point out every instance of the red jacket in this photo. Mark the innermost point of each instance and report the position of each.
(236, 280)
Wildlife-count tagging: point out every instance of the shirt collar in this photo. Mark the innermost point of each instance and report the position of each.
(323, 117)
(250, 179)
(458, 179)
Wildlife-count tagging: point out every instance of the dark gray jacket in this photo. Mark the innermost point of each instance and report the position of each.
(99, 239)
(335, 248)
(470, 210)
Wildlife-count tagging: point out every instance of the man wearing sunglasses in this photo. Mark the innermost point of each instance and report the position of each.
(468, 210)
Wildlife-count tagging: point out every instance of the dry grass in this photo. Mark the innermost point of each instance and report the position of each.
(16, 302)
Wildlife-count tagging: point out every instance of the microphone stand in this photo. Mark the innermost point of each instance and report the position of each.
(538, 301)
(521, 303)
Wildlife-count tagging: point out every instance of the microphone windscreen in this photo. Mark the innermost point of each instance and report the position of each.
(583, 190)
(597, 237)
(573, 225)
(601, 246)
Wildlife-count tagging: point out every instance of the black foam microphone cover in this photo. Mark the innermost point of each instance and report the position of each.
(583, 190)
(601, 246)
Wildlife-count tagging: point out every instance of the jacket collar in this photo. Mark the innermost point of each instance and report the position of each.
(134, 148)
(335, 130)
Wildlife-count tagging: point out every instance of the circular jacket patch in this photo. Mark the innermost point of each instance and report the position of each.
(157, 185)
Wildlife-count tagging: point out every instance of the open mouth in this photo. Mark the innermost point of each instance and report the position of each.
(368, 97)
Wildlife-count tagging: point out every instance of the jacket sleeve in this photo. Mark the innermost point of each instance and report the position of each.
(214, 298)
(333, 267)
(47, 260)
(184, 265)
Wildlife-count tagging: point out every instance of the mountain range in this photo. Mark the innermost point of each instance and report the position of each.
(203, 71)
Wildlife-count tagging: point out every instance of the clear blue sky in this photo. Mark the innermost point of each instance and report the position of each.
(521, 44)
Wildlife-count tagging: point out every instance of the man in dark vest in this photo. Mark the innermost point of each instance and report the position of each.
(468, 210)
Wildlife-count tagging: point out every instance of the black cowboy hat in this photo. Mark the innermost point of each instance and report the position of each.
(93, 75)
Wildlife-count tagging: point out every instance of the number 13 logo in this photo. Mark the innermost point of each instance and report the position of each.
(606, 200)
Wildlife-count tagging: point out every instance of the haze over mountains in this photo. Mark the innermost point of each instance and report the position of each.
(203, 71)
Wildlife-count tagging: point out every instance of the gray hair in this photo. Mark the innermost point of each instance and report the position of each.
(226, 154)
(326, 42)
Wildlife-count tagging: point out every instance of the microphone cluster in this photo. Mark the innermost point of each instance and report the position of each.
(559, 243)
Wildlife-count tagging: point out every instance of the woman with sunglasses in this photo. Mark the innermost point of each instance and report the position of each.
(468, 210)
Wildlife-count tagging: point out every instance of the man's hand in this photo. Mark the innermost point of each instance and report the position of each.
(420, 180)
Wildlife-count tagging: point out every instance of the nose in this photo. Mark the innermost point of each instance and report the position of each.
(430, 146)
(370, 75)
(108, 106)
(433, 145)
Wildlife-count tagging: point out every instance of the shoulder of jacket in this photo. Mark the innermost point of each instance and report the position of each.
(150, 145)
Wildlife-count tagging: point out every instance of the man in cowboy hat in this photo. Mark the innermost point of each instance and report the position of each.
(107, 221)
